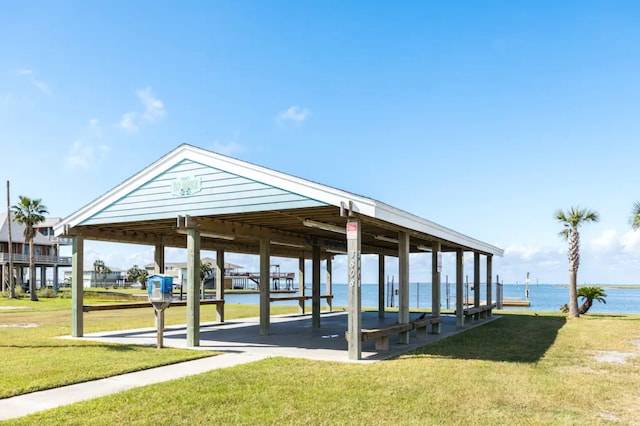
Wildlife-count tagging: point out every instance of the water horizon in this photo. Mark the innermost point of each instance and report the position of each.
(621, 298)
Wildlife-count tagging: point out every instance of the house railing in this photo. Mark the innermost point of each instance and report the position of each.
(38, 259)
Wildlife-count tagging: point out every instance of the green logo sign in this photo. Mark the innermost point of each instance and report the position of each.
(186, 186)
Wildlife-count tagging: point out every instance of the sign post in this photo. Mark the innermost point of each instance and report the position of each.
(160, 293)
(354, 291)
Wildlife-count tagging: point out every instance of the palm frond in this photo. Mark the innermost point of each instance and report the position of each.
(635, 216)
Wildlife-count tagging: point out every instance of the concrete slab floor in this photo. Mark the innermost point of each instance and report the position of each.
(290, 336)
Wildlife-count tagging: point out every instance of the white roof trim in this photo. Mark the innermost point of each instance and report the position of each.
(332, 196)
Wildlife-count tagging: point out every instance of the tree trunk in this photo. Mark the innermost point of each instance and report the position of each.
(585, 306)
(574, 263)
(12, 282)
(573, 294)
(32, 273)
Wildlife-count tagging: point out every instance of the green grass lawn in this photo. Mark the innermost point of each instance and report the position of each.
(520, 369)
(33, 359)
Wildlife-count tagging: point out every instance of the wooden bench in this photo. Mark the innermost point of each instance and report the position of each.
(420, 325)
(478, 310)
(301, 300)
(133, 305)
(381, 335)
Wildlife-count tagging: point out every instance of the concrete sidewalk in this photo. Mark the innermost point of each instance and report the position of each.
(22, 405)
(240, 341)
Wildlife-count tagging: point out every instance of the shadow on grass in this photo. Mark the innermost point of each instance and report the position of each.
(616, 316)
(512, 338)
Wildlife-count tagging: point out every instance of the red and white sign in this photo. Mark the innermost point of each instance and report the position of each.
(352, 230)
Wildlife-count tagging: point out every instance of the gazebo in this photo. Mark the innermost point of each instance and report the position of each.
(197, 199)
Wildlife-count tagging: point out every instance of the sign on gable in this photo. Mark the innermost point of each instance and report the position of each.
(185, 186)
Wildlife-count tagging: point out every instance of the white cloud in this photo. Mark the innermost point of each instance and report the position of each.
(630, 241)
(530, 253)
(128, 121)
(606, 242)
(229, 148)
(6, 99)
(153, 110)
(294, 113)
(41, 85)
(83, 155)
(154, 107)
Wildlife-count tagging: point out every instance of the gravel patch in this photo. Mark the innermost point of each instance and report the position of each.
(610, 417)
(613, 357)
(19, 325)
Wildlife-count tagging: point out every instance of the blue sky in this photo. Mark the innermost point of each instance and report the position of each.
(485, 117)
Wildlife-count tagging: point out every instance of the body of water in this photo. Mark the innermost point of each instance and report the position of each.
(543, 297)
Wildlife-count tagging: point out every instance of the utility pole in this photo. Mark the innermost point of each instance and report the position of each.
(12, 286)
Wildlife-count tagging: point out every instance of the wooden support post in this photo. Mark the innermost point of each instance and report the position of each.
(43, 277)
(4, 277)
(489, 272)
(315, 288)
(329, 289)
(160, 328)
(158, 258)
(77, 284)
(56, 278)
(436, 269)
(265, 288)
(193, 287)
(499, 294)
(158, 268)
(476, 282)
(354, 276)
(220, 285)
(403, 284)
(381, 274)
(301, 283)
(459, 287)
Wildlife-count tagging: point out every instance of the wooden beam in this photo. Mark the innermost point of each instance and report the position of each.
(329, 287)
(315, 288)
(77, 286)
(489, 272)
(220, 284)
(459, 287)
(265, 286)
(381, 282)
(436, 284)
(301, 283)
(158, 258)
(354, 289)
(403, 284)
(247, 231)
(193, 293)
(476, 282)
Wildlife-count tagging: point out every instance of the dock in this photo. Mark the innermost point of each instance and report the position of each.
(516, 302)
(513, 302)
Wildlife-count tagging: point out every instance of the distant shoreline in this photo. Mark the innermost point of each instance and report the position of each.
(636, 287)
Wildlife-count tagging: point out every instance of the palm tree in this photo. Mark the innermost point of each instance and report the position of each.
(101, 269)
(205, 271)
(590, 294)
(572, 219)
(139, 275)
(635, 216)
(29, 213)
